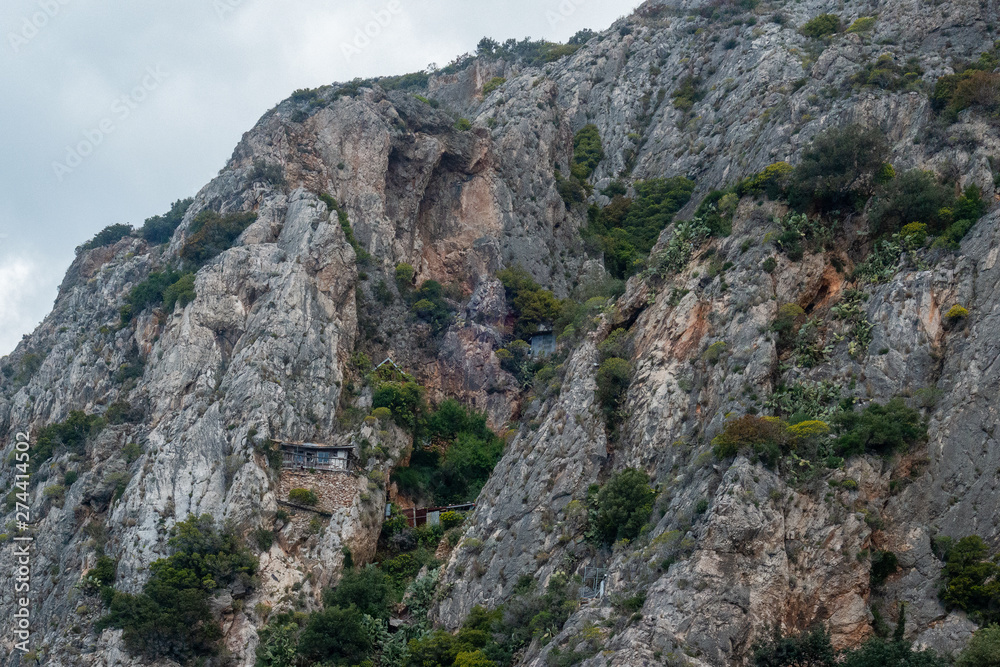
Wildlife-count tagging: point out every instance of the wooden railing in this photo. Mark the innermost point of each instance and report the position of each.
(418, 516)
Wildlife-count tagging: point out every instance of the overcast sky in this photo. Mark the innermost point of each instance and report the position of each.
(162, 90)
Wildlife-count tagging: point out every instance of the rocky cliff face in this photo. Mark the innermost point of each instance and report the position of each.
(267, 348)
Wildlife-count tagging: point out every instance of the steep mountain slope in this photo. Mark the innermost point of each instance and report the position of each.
(278, 339)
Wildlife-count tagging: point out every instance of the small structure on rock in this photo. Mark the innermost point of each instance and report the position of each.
(430, 515)
(314, 456)
(543, 342)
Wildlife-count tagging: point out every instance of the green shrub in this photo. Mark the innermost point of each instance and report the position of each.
(267, 172)
(617, 344)
(451, 519)
(813, 648)
(278, 645)
(532, 305)
(70, 478)
(772, 181)
(613, 379)
(335, 636)
(983, 650)
(884, 564)
(402, 567)
(404, 399)
(626, 230)
(714, 352)
(716, 211)
(404, 275)
(263, 537)
(765, 438)
(972, 88)
(171, 618)
(862, 24)
(790, 317)
(879, 429)
(587, 152)
(132, 452)
(167, 287)
(493, 84)
(913, 196)
(620, 509)
(821, 26)
(838, 169)
(210, 234)
(970, 579)
(110, 235)
(71, 434)
(179, 293)
(367, 589)
(956, 312)
(688, 92)
(160, 228)
(432, 307)
(463, 125)
(769, 265)
(104, 571)
(303, 497)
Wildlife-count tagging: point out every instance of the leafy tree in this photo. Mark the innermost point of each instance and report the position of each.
(404, 399)
(970, 579)
(810, 649)
(879, 429)
(913, 196)
(469, 462)
(881, 653)
(658, 199)
(367, 589)
(160, 228)
(171, 617)
(813, 649)
(335, 635)
(621, 507)
(838, 169)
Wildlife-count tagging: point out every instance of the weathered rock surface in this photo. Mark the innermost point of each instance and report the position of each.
(267, 349)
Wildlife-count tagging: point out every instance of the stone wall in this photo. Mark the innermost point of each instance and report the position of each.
(336, 490)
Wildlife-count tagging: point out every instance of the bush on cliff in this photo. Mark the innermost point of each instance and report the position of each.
(172, 618)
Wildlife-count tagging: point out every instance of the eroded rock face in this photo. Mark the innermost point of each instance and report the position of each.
(269, 347)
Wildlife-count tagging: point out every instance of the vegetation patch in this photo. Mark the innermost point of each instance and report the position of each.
(621, 508)
(211, 234)
(626, 230)
(172, 616)
(167, 288)
(821, 26)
